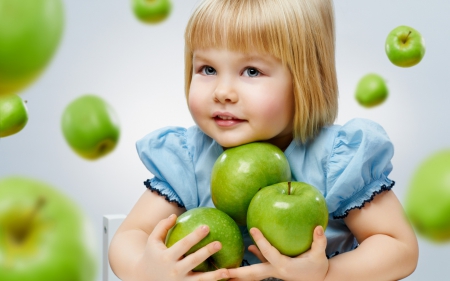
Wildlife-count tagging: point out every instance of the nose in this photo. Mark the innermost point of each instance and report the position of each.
(225, 93)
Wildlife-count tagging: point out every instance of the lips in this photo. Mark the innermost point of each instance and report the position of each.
(225, 119)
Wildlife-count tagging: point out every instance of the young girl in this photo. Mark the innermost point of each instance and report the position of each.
(264, 70)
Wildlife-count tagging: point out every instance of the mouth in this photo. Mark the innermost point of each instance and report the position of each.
(226, 119)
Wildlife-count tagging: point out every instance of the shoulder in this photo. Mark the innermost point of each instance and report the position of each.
(174, 140)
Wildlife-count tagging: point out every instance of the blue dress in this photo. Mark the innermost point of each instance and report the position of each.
(349, 164)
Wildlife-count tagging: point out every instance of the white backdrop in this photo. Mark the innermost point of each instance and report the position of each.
(138, 69)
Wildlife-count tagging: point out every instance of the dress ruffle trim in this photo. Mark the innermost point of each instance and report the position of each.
(376, 192)
(166, 196)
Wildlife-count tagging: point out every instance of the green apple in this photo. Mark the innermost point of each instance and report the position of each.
(152, 11)
(90, 127)
(287, 213)
(427, 201)
(241, 171)
(371, 90)
(43, 234)
(405, 46)
(221, 228)
(13, 115)
(30, 32)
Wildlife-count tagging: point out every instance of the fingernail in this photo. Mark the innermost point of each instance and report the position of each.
(252, 231)
(204, 228)
(320, 232)
(171, 216)
(217, 246)
(224, 275)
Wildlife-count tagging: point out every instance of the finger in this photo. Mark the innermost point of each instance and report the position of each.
(253, 249)
(194, 259)
(254, 272)
(159, 233)
(210, 275)
(269, 252)
(319, 243)
(185, 244)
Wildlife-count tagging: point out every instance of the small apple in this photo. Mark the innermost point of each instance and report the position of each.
(427, 201)
(287, 213)
(241, 171)
(152, 11)
(371, 90)
(30, 32)
(13, 115)
(43, 234)
(405, 46)
(90, 127)
(221, 228)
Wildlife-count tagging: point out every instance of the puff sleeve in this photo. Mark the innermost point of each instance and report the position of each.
(166, 155)
(358, 167)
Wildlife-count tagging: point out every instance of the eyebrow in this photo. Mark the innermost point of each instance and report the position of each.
(245, 58)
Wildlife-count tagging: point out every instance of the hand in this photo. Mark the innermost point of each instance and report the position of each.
(309, 266)
(161, 263)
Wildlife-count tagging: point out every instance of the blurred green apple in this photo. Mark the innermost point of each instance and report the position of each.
(427, 201)
(241, 171)
(371, 90)
(151, 11)
(90, 127)
(13, 115)
(287, 213)
(30, 32)
(405, 46)
(221, 228)
(43, 234)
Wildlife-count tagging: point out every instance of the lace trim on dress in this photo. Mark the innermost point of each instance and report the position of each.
(382, 189)
(149, 186)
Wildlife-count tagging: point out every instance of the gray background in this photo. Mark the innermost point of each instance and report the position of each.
(138, 69)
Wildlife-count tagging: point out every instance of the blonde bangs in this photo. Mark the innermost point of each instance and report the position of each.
(237, 25)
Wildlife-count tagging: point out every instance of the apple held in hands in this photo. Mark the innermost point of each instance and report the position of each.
(221, 228)
(90, 127)
(30, 32)
(405, 46)
(287, 213)
(241, 171)
(151, 11)
(13, 115)
(371, 90)
(43, 234)
(427, 201)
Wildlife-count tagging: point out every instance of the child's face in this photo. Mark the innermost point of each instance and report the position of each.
(236, 98)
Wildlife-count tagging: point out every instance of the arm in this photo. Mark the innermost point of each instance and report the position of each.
(137, 251)
(388, 247)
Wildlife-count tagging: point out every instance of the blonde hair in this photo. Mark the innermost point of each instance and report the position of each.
(300, 33)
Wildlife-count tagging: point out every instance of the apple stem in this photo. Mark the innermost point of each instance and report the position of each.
(406, 38)
(289, 188)
(212, 262)
(22, 232)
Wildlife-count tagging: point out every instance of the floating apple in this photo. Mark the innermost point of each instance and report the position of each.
(43, 234)
(427, 201)
(405, 46)
(30, 32)
(241, 171)
(13, 115)
(90, 126)
(287, 213)
(152, 11)
(221, 228)
(371, 90)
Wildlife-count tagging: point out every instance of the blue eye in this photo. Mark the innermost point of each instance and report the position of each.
(208, 70)
(252, 72)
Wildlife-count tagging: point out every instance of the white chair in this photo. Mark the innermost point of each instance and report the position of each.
(110, 225)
